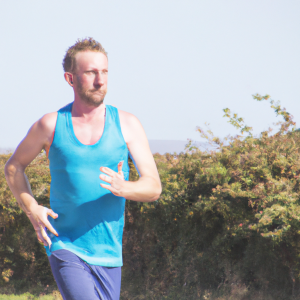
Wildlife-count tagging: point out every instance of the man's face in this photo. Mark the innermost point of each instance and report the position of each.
(90, 78)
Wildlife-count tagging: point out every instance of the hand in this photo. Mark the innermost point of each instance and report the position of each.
(115, 179)
(39, 218)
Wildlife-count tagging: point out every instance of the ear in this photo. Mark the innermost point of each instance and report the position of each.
(69, 78)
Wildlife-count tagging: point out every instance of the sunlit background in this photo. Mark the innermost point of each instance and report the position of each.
(174, 64)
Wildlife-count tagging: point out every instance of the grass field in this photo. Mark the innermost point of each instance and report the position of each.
(54, 296)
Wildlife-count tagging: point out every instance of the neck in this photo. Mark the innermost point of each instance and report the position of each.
(81, 109)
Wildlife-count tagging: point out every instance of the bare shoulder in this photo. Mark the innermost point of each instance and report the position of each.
(131, 127)
(42, 130)
(48, 121)
(138, 145)
(38, 138)
(128, 119)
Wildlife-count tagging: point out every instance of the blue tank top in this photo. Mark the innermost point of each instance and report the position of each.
(90, 218)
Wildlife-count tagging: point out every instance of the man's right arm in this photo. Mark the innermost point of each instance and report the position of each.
(38, 137)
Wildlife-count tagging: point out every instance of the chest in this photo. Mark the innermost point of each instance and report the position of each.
(88, 133)
(79, 147)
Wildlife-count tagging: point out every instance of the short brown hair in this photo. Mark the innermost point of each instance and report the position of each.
(87, 44)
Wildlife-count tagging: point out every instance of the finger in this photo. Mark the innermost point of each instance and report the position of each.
(49, 227)
(108, 187)
(113, 190)
(46, 237)
(51, 213)
(107, 171)
(42, 234)
(42, 242)
(106, 178)
(40, 237)
(47, 224)
(120, 165)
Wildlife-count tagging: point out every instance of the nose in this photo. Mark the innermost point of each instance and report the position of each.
(99, 79)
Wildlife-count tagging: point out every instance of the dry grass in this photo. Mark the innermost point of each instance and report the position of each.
(54, 296)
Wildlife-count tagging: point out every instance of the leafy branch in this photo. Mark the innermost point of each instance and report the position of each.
(288, 118)
(237, 122)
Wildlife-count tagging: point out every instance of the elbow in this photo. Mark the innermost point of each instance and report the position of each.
(9, 169)
(156, 193)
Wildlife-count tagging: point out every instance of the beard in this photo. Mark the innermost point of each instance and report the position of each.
(93, 97)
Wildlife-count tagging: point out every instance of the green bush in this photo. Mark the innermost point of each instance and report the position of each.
(227, 222)
(23, 264)
(225, 227)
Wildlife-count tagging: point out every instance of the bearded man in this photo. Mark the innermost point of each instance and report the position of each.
(88, 144)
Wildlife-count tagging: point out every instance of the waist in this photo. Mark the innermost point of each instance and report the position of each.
(72, 210)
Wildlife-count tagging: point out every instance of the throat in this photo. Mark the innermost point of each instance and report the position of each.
(88, 132)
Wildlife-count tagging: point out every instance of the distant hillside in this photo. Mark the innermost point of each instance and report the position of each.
(171, 146)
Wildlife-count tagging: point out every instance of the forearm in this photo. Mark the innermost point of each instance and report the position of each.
(37, 214)
(146, 189)
(19, 185)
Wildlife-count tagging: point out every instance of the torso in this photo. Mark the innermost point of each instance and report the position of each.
(91, 218)
(88, 132)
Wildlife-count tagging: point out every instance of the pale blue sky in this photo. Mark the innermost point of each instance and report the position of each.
(174, 64)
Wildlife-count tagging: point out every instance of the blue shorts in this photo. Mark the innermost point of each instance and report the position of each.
(77, 280)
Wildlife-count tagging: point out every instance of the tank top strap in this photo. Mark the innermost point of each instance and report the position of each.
(60, 131)
(112, 115)
(113, 119)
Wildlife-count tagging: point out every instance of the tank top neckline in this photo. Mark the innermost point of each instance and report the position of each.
(72, 132)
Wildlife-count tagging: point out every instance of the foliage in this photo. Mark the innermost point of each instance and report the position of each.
(225, 227)
(22, 258)
(227, 221)
(27, 296)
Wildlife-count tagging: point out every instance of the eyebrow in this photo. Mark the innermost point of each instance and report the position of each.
(95, 70)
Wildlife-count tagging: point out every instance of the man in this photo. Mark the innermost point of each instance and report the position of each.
(87, 143)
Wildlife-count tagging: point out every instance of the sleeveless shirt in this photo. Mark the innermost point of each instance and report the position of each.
(90, 218)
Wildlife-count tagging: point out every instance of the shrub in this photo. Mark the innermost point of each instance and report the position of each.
(227, 221)
(225, 227)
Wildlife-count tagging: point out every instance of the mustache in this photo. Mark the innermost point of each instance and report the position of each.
(97, 90)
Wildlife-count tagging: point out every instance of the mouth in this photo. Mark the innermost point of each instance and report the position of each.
(97, 92)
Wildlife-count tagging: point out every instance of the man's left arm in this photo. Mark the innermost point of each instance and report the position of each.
(148, 187)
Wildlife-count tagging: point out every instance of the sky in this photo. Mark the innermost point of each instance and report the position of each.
(174, 64)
